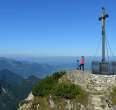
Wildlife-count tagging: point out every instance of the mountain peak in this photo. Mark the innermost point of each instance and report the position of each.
(99, 89)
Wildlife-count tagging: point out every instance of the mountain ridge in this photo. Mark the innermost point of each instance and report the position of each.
(25, 68)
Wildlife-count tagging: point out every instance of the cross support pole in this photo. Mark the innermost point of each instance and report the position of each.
(103, 20)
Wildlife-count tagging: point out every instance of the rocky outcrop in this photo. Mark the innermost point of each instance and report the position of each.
(98, 87)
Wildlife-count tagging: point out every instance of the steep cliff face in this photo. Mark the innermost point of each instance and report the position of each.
(98, 87)
(13, 89)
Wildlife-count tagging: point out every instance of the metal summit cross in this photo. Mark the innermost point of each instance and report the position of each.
(103, 19)
(104, 66)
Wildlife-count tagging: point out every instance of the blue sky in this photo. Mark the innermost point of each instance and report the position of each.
(54, 27)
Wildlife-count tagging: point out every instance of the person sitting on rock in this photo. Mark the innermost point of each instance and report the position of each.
(78, 65)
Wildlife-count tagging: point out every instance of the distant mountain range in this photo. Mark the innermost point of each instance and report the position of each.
(25, 68)
(43, 66)
(13, 89)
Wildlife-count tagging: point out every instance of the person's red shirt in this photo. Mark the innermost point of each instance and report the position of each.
(82, 61)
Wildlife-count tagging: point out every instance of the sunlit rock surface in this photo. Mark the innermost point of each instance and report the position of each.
(98, 87)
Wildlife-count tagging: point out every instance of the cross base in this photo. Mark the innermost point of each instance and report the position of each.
(104, 68)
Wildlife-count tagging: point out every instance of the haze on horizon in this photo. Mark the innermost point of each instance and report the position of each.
(54, 27)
